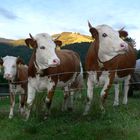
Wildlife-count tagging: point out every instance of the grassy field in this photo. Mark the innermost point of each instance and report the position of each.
(118, 123)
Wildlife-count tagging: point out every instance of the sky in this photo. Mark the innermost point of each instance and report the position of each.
(18, 18)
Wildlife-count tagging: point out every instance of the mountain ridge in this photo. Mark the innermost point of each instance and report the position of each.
(66, 38)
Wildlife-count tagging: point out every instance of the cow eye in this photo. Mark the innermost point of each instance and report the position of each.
(104, 35)
(42, 47)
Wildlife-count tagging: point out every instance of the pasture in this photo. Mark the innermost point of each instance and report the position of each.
(118, 123)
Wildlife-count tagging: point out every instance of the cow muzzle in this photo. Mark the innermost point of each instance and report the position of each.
(54, 63)
(124, 46)
(8, 76)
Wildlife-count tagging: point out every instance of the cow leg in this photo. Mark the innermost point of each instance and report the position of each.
(22, 101)
(126, 88)
(30, 99)
(65, 102)
(70, 101)
(108, 80)
(48, 101)
(89, 94)
(12, 104)
(104, 94)
(116, 99)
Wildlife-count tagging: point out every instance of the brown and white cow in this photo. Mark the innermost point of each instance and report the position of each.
(17, 75)
(109, 59)
(50, 68)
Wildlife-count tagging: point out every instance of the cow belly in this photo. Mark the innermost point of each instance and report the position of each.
(46, 83)
(16, 89)
(62, 84)
(117, 78)
(41, 83)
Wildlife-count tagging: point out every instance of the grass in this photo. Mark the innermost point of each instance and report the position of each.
(118, 123)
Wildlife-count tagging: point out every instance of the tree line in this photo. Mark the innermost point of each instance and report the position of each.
(25, 52)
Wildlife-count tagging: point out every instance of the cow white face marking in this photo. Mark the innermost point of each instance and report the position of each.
(10, 67)
(45, 52)
(110, 44)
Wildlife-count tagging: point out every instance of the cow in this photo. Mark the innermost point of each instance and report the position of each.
(16, 72)
(50, 68)
(108, 59)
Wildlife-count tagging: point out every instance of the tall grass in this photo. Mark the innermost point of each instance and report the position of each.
(118, 123)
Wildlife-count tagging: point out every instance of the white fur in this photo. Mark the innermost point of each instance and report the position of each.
(16, 89)
(10, 68)
(92, 81)
(45, 57)
(109, 46)
(125, 92)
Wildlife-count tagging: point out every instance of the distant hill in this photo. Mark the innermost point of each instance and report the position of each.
(71, 38)
(66, 37)
(19, 42)
(4, 40)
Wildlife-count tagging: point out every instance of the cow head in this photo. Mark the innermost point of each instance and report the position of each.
(109, 42)
(44, 50)
(10, 64)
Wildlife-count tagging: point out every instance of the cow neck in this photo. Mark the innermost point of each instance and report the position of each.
(33, 67)
(96, 49)
(16, 80)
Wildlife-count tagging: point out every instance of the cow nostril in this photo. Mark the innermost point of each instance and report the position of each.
(7, 75)
(122, 45)
(56, 61)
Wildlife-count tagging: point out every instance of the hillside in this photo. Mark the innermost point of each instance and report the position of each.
(19, 42)
(4, 40)
(66, 37)
(71, 38)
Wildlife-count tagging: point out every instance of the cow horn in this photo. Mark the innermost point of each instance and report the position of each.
(55, 38)
(122, 28)
(31, 36)
(90, 26)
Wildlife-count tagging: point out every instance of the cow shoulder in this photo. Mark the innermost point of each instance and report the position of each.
(91, 62)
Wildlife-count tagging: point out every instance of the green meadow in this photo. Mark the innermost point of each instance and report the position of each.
(117, 123)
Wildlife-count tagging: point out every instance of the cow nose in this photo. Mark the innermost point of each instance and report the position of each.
(56, 61)
(7, 76)
(123, 45)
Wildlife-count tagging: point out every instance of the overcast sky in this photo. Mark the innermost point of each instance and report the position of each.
(18, 18)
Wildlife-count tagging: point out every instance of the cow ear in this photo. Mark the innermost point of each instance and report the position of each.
(123, 33)
(58, 42)
(93, 31)
(20, 61)
(1, 62)
(30, 43)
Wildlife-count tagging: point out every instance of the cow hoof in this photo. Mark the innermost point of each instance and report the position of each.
(124, 102)
(46, 116)
(116, 104)
(85, 114)
(10, 116)
(70, 109)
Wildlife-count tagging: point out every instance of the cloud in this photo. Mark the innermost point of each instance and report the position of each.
(127, 26)
(7, 14)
